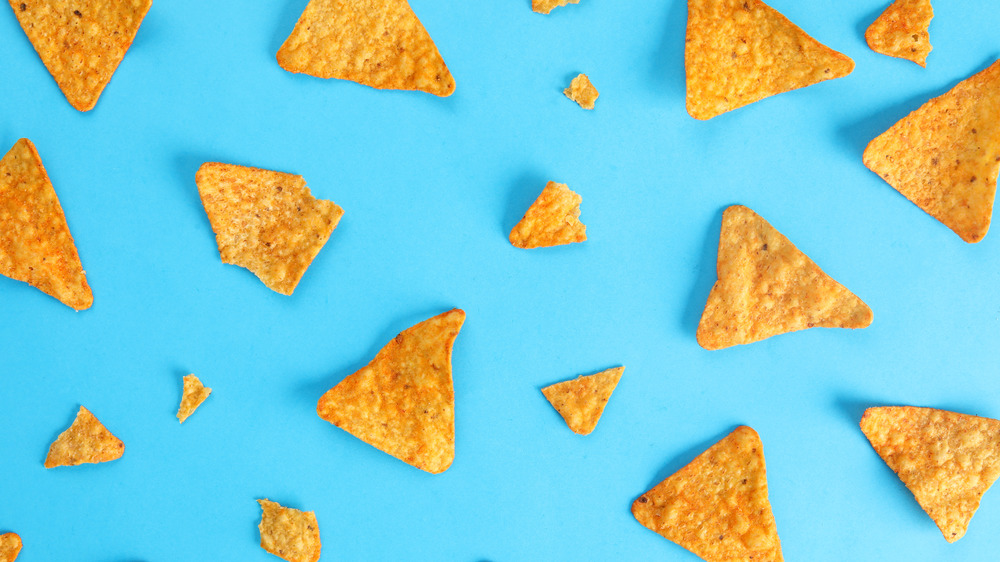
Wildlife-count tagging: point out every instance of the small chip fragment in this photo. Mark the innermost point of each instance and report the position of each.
(717, 506)
(948, 460)
(546, 6)
(403, 402)
(553, 219)
(10, 546)
(741, 51)
(581, 401)
(945, 155)
(266, 221)
(35, 244)
(378, 43)
(767, 287)
(85, 441)
(901, 31)
(194, 394)
(289, 533)
(582, 92)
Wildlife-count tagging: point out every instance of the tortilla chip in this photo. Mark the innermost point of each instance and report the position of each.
(581, 401)
(85, 441)
(947, 460)
(265, 221)
(582, 92)
(741, 51)
(901, 31)
(194, 394)
(378, 43)
(767, 287)
(403, 402)
(945, 155)
(35, 244)
(553, 219)
(717, 506)
(10, 546)
(289, 533)
(546, 6)
(81, 42)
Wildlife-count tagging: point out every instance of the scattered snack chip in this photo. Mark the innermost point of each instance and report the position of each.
(741, 51)
(944, 156)
(85, 441)
(378, 43)
(947, 460)
(581, 401)
(35, 244)
(767, 287)
(403, 402)
(717, 506)
(289, 533)
(553, 219)
(268, 222)
(82, 42)
(901, 31)
(582, 92)
(546, 6)
(194, 394)
(10, 546)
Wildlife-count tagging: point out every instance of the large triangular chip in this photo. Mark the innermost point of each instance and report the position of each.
(403, 402)
(35, 244)
(767, 286)
(10, 546)
(741, 51)
(717, 506)
(945, 155)
(947, 460)
(289, 533)
(268, 222)
(581, 401)
(901, 31)
(378, 43)
(193, 395)
(85, 441)
(553, 219)
(81, 42)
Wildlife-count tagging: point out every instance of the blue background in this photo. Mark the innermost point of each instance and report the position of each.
(431, 187)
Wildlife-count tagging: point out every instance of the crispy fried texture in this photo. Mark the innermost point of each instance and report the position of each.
(947, 460)
(581, 401)
(901, 31)
(289, 533)
(553, 219)
(10, 546)
(742, 51)
(81, 42)
(268, 222)
(582, 92)
(378, 43)
(767, 286)
(717, 506)
(546, 6)
(85, 441)
(945, 155)
(35, 244)
(403, 402)
(194, 394)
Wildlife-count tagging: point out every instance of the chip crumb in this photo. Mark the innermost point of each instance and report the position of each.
(10, 546)
(546, 6)
(581, 401)
(582, 92)
(86, 440)
(552, 220)
(193, 395)
(901, 31)
(289, 533)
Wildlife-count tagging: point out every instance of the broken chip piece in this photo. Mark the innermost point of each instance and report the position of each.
(717, 506)
(378, 43)
(948, 460)
(901, 31)
(546, 6)
(553, 219)
(581, 401)
(85, 441)
(403, 402)
(582, 92)
(289, 533)
(10, 546)
(741, 51)
(194, 394)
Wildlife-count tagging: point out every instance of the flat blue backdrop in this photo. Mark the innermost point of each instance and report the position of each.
(431, 187)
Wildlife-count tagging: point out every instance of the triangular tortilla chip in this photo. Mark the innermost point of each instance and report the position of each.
(582, 91)
(717, 506)
(10, 546)
(403, 402)
(767, 287)
(82, 42)
(85, 441)
(289, 533)
(35, 244)
(194, 394)
(546, 6)
(945, 155)
(553, 219)
(378, 43)
(947, 460)
(741, 51)
(901, 31)
(581, 401)
(268, 222)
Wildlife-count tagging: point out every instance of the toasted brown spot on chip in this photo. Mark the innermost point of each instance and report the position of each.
(546, 6)
(85, 441)
(901, 31)
(582, 92)
(194, 394)
(289, 533)
(10, 546)
(581, 401)
(553, 219)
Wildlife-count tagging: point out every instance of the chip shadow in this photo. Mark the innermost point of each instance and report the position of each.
(684, 458)
(285, 22)
(870, 18)
(705, 275)
(527, 187)
(665, 74)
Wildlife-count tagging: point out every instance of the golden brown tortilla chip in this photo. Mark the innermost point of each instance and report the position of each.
(717, 506)
(35, 244)
(85, 441)
(947, 460)
(289, 533)
(553, 219)
(767, 286)
(901, 31)
(268, 222)
(81, 42)
(10, 546)
(582, 92)
(741, 51)
(194, 394)
(378, 43)
(546, 6)
(403, 402)
(581, 401)
(945, 155)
